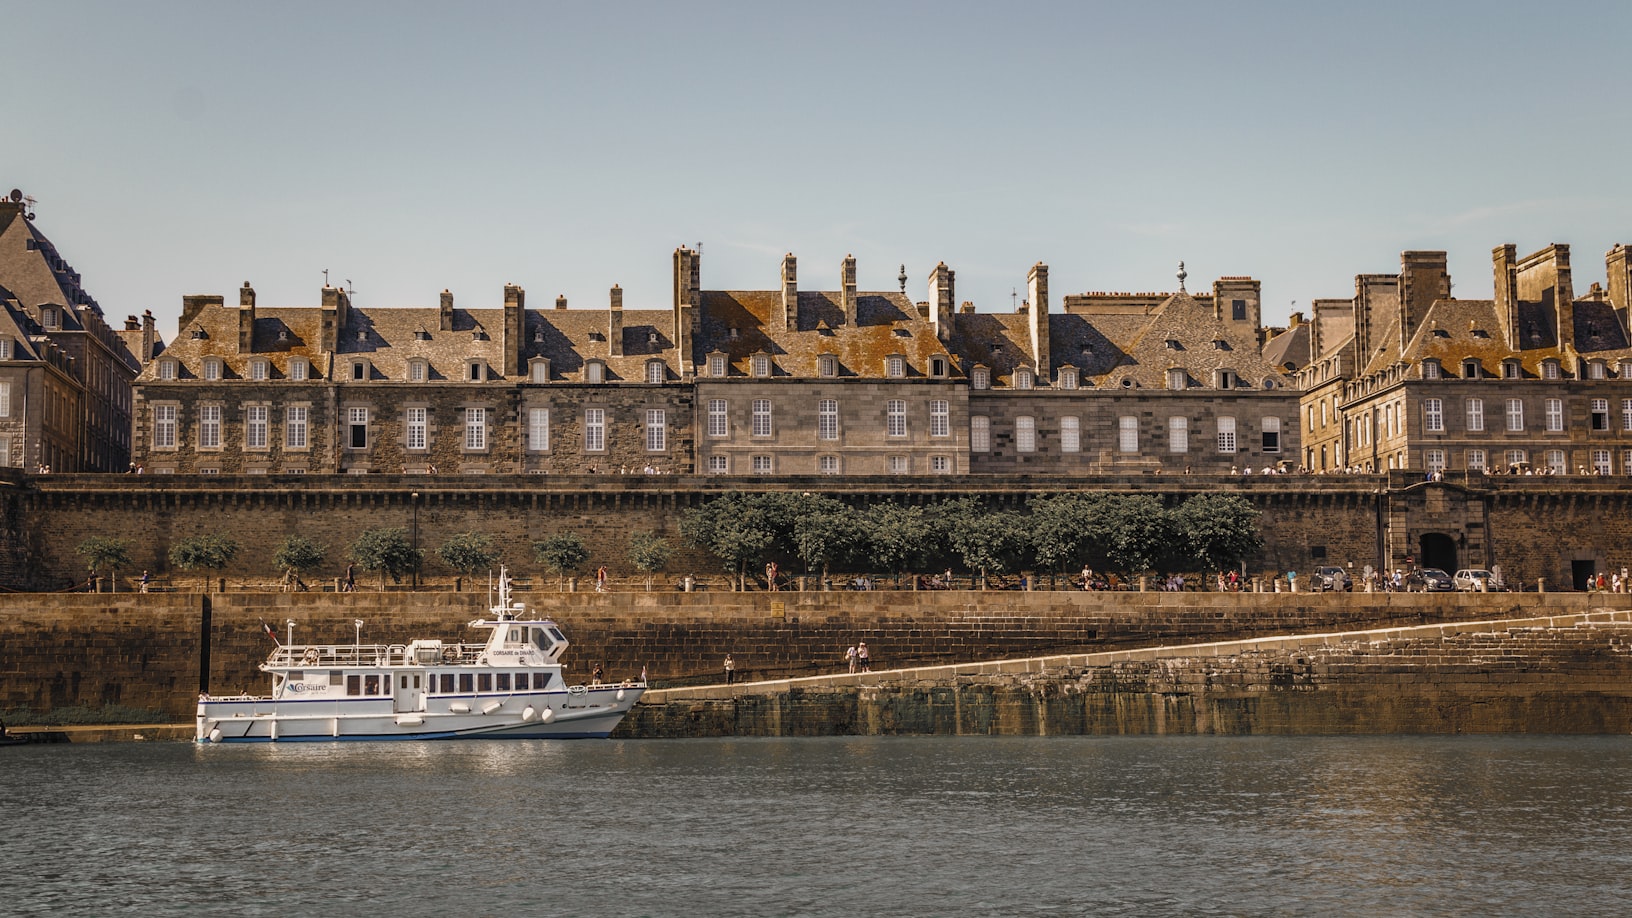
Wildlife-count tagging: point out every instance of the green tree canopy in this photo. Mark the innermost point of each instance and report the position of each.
(299, 555)
(733, 527)
(897, 535)
(468, 552)
(213, 551)
(102, 553)
(649, 552)
(828, 532)
(1136, 533)
(986, 541)
(561, 554)
(388, 551)
(1064, 529)
(1218, 531)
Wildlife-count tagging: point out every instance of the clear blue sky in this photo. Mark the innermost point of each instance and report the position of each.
(181, 148)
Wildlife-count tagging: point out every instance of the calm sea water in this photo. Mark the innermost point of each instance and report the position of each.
(869, 826)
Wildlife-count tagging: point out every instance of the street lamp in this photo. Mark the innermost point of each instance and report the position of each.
(414, 502)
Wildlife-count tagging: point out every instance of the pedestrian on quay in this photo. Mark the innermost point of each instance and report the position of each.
(730, 670)
(863, 658)
(145, 581)
(600, 579)
(595, 674)
(350, 583)
(850, 657)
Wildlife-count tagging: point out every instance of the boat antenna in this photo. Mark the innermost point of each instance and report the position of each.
(357, 647)
(291, 625)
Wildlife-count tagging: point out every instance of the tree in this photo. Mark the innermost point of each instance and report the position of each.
(102, 552)
(561, 554)
(1063, 529)
(298, 555)
(828, 533)
(1137, 533)
(468, 552)
(203, 552)
(986, 541)
(388, 551)
(734, 528)
(896, 535)
(1218, 531)
(649, 552)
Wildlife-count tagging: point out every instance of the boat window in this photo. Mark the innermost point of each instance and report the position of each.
(354, 685)
(404, 680)
(541, 681)
(336, 677)
(539, 640)
(371, 685)
(465, 683)
(521, 682)
(504, 682)
(556, 633)
(416, 680)
(516, 635)
(484, 682)
(447, 683)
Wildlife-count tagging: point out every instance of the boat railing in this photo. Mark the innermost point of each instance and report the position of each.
(335, 655)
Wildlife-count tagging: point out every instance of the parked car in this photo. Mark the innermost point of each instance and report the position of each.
(1429, 580)
(1470, 579)
(1333, 578)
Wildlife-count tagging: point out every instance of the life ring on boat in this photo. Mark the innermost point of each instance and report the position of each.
(310, 657)
(578, 689)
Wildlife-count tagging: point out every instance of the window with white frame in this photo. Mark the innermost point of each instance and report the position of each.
(895, 367)
(167, 369)
(594, 430)
(1430, 369)
(256, 423)
(5, 348)
(1127, 439)
(294, 427)
(1600, 414)
(828, 465)
(1070, 435)
(761, 417)
(718, 421)
(980, 378)
(827, 419)
(1515, 457)
(1470, 369)
(716, 366)
(1433, 415)
(539, 372)
(1476, 414)
(900, 465)
(164, 426)
(719, 465)
(476, 371)
(209, 427)
(595, 372)
(1556, 463)
(5, 399)
(1511, 369)
(475, 428)
(1025, 434)
(1626, 414)
(1601, 464)
(357, 428)
(1177, 378)
(5, 452)
(940, 417)
(980, 433)
(657, 430)
(1555, 414)
(940, 465)
(1023, 378)
(761, 364)
(1596, 369)
(1270, 434)
(654, 372)
(418, 371)
(1626, 462)
(1434, 460)
(763, 465)
(937, 367)
(1178, 434)
(538, 429)
(1068, 377)
(258, 370)
(414, 425)
(827, 366)
(895, 417)
(212, 369)
(298, 368)
(1549, 369)
(1476, 460)
(1515, 414)
(1226, 435)
(359, 370)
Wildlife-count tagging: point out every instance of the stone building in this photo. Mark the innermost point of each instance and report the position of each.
(65, 376)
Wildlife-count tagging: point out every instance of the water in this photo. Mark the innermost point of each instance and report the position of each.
(856, 826)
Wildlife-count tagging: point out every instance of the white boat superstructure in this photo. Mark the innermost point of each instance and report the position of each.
(511, 685)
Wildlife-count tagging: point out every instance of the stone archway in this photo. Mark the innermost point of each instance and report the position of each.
(1437, 550)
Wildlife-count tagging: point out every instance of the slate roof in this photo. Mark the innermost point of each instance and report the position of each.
(886, 324)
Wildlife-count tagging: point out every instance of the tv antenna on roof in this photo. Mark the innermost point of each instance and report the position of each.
(325, 277)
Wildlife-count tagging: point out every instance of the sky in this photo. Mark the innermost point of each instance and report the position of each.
(181, 148)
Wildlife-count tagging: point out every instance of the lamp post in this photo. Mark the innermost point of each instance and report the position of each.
(413, 499)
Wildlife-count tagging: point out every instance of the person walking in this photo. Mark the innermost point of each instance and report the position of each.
(600, 579)
(850, 657)
(145, 580)
(730, 670)
(863, 658)
(350, 584)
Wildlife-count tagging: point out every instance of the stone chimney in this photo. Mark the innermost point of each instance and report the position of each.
(246, 319)
(1505, 276)
(515, 327)
(131, 324)
(444, 320)
(1424, 278)
(196, 303)
(941, 297)
(614, 323)
(336, 315)
(561, 302)
(1037, 318)
(1619, 268)
(847, 289)
(688, 305)
(788, 315)
(150, 338)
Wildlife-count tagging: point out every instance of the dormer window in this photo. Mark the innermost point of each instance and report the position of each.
(1023, 378)
(895, 366)
(1596, 369)
(258, 370)
(1269, 382)
(362, 336)
(212, 369)
(656, 372)
(1219, 344)
(476, 371)
(283, 334)
(298, 368)
(167, 369)
(538, 335)
(1224, 379)
(199, 334)
(419, 370)
(1470, 369)
(761, 365)
(716, 366)
(651, 338)
(595, 372)
(1068, 377)
(980, 378)
(1550, 369)
(49, 317)
(1172, 344)
(1430, 369)
(5, 349)
(1511, 369)
(731, 333)
(539, 371)
(1177, 378)
(937, 367)
(359, 371)
(422, 334)
(827, 366)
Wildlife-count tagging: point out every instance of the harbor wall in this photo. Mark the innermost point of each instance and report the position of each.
(1570, 674)
(147, 651)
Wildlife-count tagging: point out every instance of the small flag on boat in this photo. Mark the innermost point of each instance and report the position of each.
(271, 632)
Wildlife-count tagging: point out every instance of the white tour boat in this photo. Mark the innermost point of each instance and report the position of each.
(511, 686)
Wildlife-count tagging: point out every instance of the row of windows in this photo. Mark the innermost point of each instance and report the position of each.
(1556, 461)
(831, 465)
(1513, 368)
(1433, 415)
(718, 418)
(1068, 378)
(1070, 434)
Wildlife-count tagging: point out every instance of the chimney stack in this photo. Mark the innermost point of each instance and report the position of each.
(1424, 277)
(445, 313)
(515, 326)
(847, 283)
(614, 329)
(149, 338)
(941, 297)
(1619, 270)
(246, 319)
(561, 302)
(688, 304)
(1037, 318)
(790, 292)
